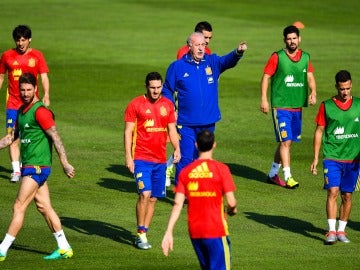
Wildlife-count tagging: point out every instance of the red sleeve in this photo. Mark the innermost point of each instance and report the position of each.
(311, 68)
(42, 66)
(272, 64)
(45, 118)
(130, 112)
(182, 51)
(320, 117)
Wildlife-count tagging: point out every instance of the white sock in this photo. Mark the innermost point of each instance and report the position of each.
(342, 225)
(332, 225)
(6, 243)
(287, 173)
(15, 166)
(61, 240)
(274, 169)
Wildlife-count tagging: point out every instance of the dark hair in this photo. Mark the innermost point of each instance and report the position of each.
(27, 78)
(201, 26)
(21, 31)
(205, 140)
(153, 76)
(342, 76)
(291, 29)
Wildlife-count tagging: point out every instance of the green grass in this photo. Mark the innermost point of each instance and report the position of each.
(99, 52)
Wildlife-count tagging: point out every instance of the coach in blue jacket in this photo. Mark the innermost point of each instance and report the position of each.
(192, 84)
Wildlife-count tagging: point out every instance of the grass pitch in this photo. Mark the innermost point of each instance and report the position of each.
(99, 53)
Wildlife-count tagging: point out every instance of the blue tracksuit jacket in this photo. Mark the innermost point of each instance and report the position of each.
(196, 87)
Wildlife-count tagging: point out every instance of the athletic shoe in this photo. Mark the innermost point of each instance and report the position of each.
(341, 236)
(141, 241)
(291, 183)
(2, 257)
(15, 177)
(331, 238)
(60, 254)
(276, 180)
(169, 173)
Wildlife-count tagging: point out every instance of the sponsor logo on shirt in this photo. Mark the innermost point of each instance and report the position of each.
(201, 171)
(339, 133)
(289, 82)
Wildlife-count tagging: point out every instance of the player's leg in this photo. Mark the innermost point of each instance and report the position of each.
(142, 174)
(25, 195)
(187, 148)
(14, 150)
(347, 185)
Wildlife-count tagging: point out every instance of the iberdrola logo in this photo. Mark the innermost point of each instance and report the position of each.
(149, 123)
(339, 131)
(289, 81)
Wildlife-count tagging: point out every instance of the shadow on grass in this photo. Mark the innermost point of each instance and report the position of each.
(103, 229)
(289, 224)
(119, 185)
(5, 173)
(26, 248)
(247, 172)
(355, 225)
(119, 169)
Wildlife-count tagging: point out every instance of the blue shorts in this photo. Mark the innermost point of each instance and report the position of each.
(188, 148)
(287, 125)
(38, 173)
(150, 176)
(11, 117)
(341, 174)
(213, 253)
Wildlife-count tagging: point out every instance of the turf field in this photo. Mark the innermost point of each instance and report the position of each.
(99, 52)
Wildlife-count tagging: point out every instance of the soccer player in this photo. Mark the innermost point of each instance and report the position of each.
(291, 75)
(194, 79)
(202, 27)
(338, 131)
(205, 182)
(148, 120)
(37, 130)
(15, 62)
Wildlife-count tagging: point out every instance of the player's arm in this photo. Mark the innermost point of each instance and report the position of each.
(231, 203)
(312, 87)
(46, 88)
(174, 139)
(168, 240)
(128, 137)
(60, 149)
(2, 77)
(316, 147)
(264, 106)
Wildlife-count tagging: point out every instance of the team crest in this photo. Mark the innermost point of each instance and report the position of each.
(31, 62)
(163, 111)
(208, 71)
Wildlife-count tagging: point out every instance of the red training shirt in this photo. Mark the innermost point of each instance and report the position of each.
(151, 121)
(204, 183)
(15, 65)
